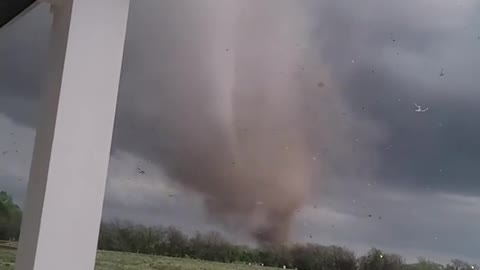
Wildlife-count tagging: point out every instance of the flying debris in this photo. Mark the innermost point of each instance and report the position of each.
(419, 108)
(140, 171)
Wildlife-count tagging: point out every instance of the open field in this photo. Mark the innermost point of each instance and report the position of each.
(108, 260)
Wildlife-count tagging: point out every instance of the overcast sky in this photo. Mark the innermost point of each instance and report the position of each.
(386, 176)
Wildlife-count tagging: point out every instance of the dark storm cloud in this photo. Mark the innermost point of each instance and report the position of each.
(370, 55)
(23, 47)
(368, 63)
(437, 149)
(427, 149)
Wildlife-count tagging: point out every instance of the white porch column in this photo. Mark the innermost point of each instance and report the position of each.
(70, 160)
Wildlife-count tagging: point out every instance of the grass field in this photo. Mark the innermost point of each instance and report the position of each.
(108, 260)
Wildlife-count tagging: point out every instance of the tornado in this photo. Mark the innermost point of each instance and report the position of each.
(226, 106)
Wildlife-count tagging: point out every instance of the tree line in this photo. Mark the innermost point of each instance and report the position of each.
(10, 218)
(212, 246)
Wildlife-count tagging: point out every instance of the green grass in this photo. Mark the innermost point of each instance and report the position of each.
(7, 257)
(108, 260)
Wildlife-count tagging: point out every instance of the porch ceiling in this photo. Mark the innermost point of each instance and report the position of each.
(9, 9)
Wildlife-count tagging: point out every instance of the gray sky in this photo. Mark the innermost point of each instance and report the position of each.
(384, 175)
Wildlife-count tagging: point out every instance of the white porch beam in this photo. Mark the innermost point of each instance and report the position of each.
(72, 147)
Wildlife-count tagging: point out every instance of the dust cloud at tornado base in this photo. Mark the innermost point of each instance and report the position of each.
(230, 98)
